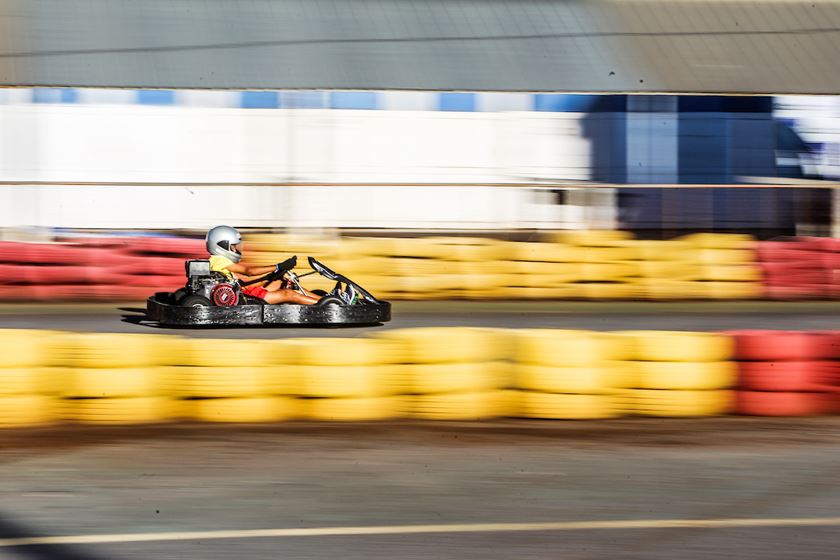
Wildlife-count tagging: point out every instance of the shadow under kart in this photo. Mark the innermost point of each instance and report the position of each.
(210, 301)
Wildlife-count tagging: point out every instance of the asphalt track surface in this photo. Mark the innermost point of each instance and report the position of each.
(625, 489)
(696, 316)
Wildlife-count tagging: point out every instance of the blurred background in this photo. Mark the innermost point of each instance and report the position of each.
(623, 213)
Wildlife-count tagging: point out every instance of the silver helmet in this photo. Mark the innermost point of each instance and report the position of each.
(221, 241)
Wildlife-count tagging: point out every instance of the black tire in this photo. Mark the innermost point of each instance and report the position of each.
(195, 301)
(330, 300)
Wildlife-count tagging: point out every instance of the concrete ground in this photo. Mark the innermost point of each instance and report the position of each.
(484, 489)
(699, 316)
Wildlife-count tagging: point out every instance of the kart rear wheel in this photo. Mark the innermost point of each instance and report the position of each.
(195, 301)
(178, 295)
(330, 300)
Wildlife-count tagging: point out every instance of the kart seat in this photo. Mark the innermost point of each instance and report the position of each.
(195, 268)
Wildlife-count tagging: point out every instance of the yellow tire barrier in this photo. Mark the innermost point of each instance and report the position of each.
(671, 270)
(590, 238)
(344, 381)
(663, 251)
(732, 290)
(730, 273)
(444, 344)
(598, 255)
(661, 289)
(450, 378)
(27, 410)
(340, 351)
(545, 252)
(205, 352)
(684, 375)
(678, 403)
(719, 240)
(567, 407)
(610, 290)
(471, 249)
(598, 379)
(607, 272)
(115, 350)
(220, 381)
(22, 381)
(22, 348)
(562, 271)
(674, 346)
(724, 256)
(369, 246)
(112, 383)
(247, 410)
(351, 410)
(462, 406)
(562, 348)
(145, 410)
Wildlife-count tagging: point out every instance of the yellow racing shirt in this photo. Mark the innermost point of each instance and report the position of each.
(220, 264)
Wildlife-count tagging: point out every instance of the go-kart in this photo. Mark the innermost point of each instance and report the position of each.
(209, 299)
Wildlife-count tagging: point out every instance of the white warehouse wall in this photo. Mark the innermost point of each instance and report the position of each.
(56, 144)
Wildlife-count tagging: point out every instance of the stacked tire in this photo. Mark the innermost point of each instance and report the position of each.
(787, 373)
(679, 373)
(569, 375)
(450, 373)
(27, 388)
(222, 380)
(726, 265)
(799, 269)
(343, 380)
(114, 378)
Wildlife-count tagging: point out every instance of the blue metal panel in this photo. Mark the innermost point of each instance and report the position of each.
(260, 100)
(353, 100)
(456, 102)
(155, 97)
(304, 99)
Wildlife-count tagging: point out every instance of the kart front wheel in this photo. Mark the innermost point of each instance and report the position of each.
(330, 300)
(195, 301)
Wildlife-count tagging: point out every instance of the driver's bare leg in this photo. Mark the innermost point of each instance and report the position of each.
(289, 296)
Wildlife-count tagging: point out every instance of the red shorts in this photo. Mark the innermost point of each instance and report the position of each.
(255, 291)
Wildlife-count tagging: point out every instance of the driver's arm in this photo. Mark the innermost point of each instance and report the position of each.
(254, 271)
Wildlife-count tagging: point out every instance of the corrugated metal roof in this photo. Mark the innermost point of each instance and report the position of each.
(737, 46)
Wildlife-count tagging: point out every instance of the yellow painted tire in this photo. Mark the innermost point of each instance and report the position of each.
(719, 240)
(443, 344)
(344, 381)
(27, 410)
(113, 383)
(607, 272)
(420, 248)
(471, 249)
(671, 270)
(732, 290)
(663, 251)
(250, 410)
(218, 382)
(608, 254)
(369, 246)
(661, 289)
(674, 346)
(598, 379)
(450, 378)
(589, 238)
(113, 350)
(685, 375)
(731, 273)
(461, 406)
(545, 252)
(610, 290)
(20, 381)
(563, 348)
(118, 411)
(567, 407)
(351, 410)
(719, 257)
(206, 352)
(23, 348)
(340, 351)
(678, 403)
(558, 272)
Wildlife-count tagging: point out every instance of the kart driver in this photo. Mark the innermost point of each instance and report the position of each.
(223, 244)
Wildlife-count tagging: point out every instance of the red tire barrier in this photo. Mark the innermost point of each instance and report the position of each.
(756, 403)
(180, 246)
(157, 283)
(767, 345)
(787, 376)
(158, 266)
